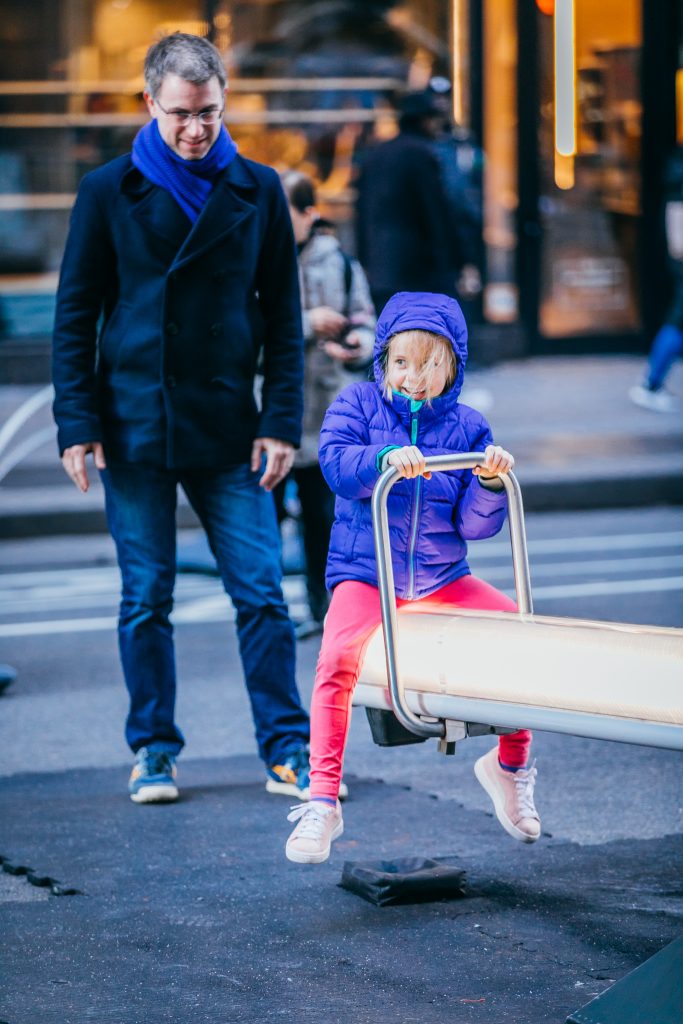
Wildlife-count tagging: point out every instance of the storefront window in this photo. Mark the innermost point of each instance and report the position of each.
(310, 83)
(589, 226)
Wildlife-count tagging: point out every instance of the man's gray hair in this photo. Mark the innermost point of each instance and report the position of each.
(190, 57)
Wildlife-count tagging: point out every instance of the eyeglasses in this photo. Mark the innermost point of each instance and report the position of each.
(181, 118)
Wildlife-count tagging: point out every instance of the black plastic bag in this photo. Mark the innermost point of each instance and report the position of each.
(412, 880)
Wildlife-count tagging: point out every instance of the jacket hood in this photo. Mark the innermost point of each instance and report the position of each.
(424, 311)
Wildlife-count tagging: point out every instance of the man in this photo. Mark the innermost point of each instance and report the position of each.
(405, 241)
(179, 268)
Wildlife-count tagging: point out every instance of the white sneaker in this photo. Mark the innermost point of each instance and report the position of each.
(513, 796)
(319, 825)
(656, 401)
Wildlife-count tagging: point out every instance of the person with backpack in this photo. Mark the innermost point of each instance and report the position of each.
(339, 323)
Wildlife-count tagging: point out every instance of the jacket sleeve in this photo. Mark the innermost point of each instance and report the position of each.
(480, 512)
(88, 274)
(347, 460)
(279, 299)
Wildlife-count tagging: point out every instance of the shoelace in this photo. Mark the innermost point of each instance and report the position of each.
(312, 820)
(524, 787)
(157, 763)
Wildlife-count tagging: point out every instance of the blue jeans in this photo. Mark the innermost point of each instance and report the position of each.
(239, 519)
(668, 344)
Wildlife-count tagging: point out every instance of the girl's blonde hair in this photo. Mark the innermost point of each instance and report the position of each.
(432, 350)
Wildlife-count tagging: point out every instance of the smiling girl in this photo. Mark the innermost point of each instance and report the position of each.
(409, 412)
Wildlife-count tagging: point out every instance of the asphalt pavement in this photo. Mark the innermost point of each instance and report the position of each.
(189, 913)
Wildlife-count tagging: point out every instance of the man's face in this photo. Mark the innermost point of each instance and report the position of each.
(177, 97)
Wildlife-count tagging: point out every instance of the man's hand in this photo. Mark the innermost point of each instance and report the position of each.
(279, 459)
(326, 322)
(345, 353)
(73, 460)
(469, 282)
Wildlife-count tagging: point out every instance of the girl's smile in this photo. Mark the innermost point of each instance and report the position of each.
(409, 373)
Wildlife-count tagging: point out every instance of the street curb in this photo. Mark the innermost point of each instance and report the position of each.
(68, 522)
(630, 491)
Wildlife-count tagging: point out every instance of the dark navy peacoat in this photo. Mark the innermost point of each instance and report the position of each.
(160, 324)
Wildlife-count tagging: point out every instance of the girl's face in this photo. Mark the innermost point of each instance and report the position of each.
(414, 373)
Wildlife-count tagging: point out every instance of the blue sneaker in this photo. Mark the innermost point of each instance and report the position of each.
(152, 780)
(292, 777)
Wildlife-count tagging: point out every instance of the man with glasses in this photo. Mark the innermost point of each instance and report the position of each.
(179, 270)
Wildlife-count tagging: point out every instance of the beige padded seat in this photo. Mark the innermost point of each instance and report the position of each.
(583, 677)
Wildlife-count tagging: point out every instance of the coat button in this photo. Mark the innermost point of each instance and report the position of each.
(171, 327)
(170, 381)
(216, 329)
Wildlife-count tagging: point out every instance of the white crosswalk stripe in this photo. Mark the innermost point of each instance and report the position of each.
(56, 600)
(27, 599)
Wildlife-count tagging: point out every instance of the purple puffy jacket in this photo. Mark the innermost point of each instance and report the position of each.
(429, 520)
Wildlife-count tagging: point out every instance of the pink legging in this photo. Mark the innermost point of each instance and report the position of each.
(353, 616)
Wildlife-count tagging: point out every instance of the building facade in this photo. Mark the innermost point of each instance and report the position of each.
(573, 254)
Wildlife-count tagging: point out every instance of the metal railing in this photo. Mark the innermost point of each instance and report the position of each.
(385, 572)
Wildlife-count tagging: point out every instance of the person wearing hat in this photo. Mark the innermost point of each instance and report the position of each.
(404, 236)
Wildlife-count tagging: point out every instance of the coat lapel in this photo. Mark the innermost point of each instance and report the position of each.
(230, 203)
(155, 209)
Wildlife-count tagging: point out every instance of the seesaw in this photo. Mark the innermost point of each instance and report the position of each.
(601, 680)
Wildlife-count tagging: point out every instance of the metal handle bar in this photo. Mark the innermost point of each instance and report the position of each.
(385, 570)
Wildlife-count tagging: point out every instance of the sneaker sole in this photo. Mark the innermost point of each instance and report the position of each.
(508, 825)
(155, 795)
(289, 789)
(298, 857)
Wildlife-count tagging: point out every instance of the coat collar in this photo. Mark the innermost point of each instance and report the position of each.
(404, 408)
(228, 205)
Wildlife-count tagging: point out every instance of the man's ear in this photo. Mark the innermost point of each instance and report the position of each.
(147, 97)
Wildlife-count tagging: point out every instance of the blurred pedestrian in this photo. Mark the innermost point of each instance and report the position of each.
(405, 238)
(668, 342)
(411, 410)
(461, 161)
(179, 267)
(339, 324)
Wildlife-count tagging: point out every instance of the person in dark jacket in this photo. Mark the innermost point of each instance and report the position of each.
(179, 268)
(405, 237)
(409, 412)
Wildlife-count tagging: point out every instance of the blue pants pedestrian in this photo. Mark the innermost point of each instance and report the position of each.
(666, 347)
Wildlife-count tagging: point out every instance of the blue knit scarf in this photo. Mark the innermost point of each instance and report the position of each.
(189, 181)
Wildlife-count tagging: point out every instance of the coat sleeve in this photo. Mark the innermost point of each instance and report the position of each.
(279, 299)
(347, 460)
(480, 513)
(88, 274)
